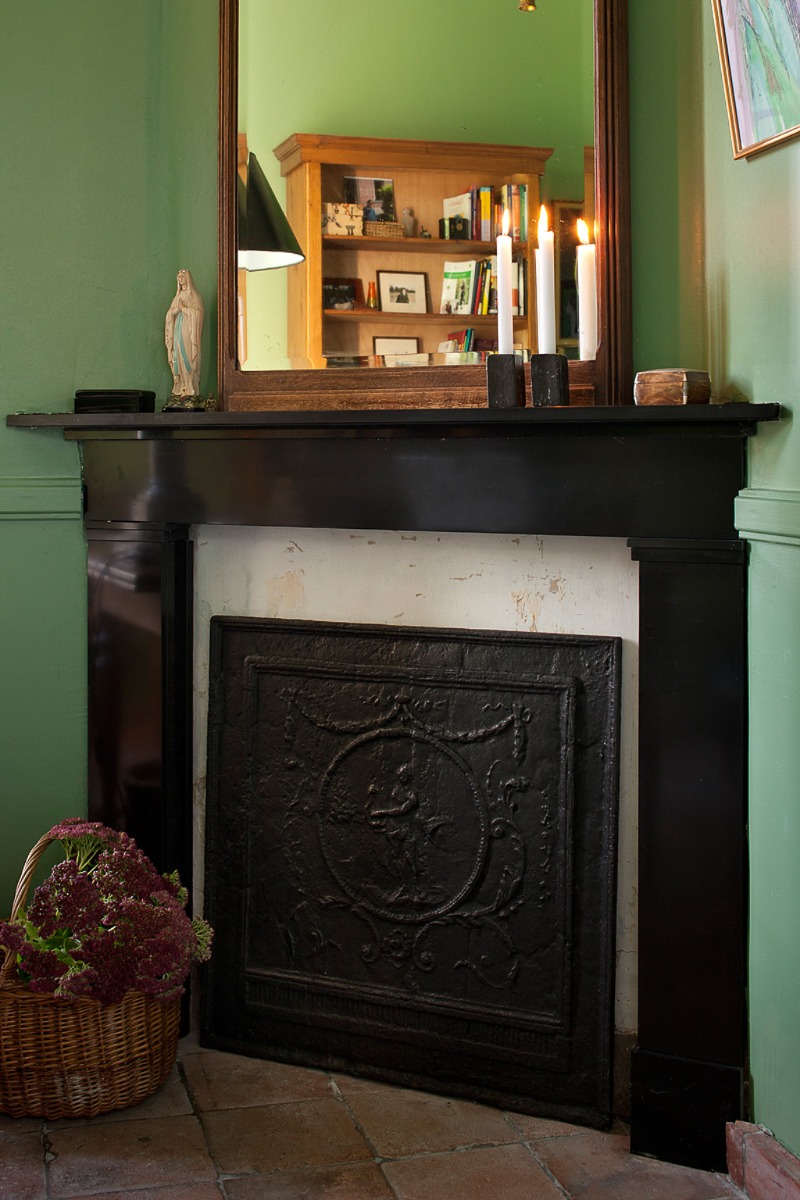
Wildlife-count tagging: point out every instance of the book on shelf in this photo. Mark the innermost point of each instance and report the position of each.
(470, 287)
(458, 286)
(458, 340)
(514, 197)
(482, 209)
(458, 206)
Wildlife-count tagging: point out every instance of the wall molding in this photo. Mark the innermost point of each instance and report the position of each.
(768, 515)
(42, 498)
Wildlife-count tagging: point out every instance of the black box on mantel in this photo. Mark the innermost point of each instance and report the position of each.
(119, 400)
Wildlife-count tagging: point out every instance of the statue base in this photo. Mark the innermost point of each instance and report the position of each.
(190, 404)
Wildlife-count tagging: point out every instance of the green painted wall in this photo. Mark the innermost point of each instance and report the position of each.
(108, 188)
(753, 318)
(510, 77)
(716, 255)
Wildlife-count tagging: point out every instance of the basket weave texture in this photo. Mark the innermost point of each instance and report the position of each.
(384, 229)
(78, 1058)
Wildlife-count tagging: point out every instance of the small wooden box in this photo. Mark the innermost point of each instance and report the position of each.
(675, 386)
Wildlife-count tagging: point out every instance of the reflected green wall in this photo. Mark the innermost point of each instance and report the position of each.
(506, 76)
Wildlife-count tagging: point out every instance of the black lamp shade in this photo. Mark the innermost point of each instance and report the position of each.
(265, 237)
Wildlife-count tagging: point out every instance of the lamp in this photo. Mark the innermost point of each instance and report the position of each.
(265, 237)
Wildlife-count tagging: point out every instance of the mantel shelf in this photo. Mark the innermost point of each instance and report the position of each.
(741, 419)
(610, 472)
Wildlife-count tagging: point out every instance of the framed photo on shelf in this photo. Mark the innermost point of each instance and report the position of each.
(759, 52)
(342, 295)
(403, 291)
(375, 196)
(395, 345)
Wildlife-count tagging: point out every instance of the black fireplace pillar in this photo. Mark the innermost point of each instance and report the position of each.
(140, 686)
(688, 1068)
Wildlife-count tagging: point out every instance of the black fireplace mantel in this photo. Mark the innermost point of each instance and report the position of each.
(617, 471)
(665, 479)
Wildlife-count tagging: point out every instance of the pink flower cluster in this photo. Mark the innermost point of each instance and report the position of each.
(105, 922)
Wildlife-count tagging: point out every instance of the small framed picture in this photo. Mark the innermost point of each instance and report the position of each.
(342, 295)
(403, 291)
(395, 345)
(375, 197)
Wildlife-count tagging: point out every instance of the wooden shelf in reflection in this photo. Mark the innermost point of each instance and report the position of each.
(447, 248)
(424, 174)
(457, 320)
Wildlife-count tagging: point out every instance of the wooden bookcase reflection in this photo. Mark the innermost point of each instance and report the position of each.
(424, 173)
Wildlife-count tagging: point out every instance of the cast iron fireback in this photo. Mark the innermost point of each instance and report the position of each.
(411, 856)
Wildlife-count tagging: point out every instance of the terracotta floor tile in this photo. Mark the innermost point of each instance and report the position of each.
(14, 1126)
(134, 1154)
(399, 1122)
(499, 1173)
(22, 1173)
(542, 1127)
(186, 1191)
(218, 1081)
(313, 1133)
(597, 1166)
(363, 1182)
(354, 1085)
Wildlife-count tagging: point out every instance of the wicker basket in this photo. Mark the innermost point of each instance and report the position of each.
(384, 229)
(78, 1058)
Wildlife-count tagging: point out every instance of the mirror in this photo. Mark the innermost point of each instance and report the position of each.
(606, 380)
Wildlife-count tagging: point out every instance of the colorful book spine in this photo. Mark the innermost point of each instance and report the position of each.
(486, 213)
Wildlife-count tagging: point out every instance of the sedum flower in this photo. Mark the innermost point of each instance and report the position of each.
(105, 922)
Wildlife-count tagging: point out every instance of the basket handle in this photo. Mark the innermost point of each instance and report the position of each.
(21, 895)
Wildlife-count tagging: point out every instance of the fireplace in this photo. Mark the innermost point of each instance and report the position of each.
(411, 846)
(665, 480)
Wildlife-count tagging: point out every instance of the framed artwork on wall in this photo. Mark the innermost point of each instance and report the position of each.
(759, 50)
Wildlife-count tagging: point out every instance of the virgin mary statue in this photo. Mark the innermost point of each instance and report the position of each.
(183, 330)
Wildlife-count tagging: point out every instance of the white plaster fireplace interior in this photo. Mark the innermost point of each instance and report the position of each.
(570, 585)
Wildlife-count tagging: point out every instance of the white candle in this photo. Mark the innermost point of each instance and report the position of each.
(587, 295)
(546, 287)
(505, 324)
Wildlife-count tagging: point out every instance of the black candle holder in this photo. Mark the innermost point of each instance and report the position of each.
(505, 381)
(549, 380)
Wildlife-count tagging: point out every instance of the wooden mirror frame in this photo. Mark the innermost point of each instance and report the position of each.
(607, 381)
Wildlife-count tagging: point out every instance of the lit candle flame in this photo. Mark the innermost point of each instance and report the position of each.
(506, 222)
(583, 232)
(543, 223)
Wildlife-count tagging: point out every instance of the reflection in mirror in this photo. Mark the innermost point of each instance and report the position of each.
(420, 76)
(445, 75)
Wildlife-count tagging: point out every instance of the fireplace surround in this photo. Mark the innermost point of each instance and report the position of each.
(665, 480)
